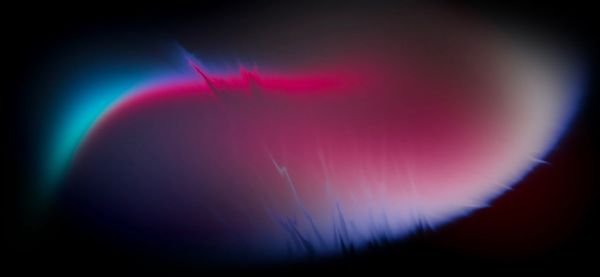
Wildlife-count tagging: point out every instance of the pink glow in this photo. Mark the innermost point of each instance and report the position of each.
(390, 142)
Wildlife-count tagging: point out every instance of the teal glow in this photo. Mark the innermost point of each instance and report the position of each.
(83, 105)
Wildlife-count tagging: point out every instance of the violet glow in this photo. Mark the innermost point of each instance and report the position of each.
(314, 161)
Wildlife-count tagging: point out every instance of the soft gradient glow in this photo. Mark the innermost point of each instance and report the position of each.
(277, 164)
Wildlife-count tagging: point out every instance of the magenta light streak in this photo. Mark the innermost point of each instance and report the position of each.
(315, 160)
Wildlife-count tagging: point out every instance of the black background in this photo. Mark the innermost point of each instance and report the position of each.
(34, 31)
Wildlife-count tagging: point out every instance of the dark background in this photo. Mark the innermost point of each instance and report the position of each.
(559, 230)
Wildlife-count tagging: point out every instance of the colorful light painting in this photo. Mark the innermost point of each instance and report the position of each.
(278, 163)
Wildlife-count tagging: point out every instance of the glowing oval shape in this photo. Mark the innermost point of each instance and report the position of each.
(277, 166)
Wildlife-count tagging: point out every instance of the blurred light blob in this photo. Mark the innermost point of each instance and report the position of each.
(326, 157)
